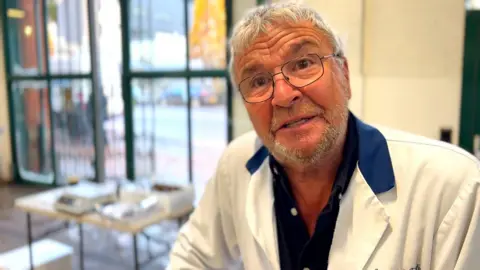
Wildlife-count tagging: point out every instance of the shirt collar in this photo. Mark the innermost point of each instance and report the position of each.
(374, 159)
(350, 156)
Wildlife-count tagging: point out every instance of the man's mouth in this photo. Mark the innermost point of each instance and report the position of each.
(297, 122)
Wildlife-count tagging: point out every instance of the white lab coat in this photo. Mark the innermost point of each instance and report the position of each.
(412, 203)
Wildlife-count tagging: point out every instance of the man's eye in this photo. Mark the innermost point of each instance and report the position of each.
(303, 63)
(259, 81)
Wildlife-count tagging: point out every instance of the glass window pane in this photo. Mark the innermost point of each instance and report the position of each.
(160, 127)
(72, 112)
(472, 4)
(32, 126)
(25, 37)
(68, 36)
(209, 128)
(157, 35)
(208, 36)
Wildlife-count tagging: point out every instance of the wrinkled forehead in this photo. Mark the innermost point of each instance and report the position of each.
(278, 44)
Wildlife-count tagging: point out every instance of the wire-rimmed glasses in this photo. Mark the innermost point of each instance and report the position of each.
(299, 72)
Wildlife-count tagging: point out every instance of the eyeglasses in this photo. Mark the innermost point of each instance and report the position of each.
(299, 72)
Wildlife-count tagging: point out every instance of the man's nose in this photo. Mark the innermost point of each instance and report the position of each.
(284, 94)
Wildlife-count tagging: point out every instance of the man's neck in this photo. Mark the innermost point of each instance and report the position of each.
(324, 170)
(316, 177)
(311, 188)
(312, 184)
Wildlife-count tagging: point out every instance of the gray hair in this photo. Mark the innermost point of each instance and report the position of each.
(257, 20)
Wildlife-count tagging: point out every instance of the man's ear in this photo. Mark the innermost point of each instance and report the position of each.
(346, 74)
(346, 71)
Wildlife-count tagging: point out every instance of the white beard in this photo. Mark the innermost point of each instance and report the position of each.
(330, 137)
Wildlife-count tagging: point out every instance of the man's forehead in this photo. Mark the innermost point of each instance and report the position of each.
(290, 48)
(253, 57)
(285, 38)
(299, 45)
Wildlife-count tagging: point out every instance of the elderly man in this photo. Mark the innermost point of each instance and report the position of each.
(316, 188)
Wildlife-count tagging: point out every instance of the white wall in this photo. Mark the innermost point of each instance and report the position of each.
(405, 61)
(5, 149)
(413, 64)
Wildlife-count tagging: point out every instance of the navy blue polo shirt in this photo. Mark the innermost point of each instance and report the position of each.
(297, 249)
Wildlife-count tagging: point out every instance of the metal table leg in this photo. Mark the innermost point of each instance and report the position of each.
(80, 234)
(29, 239)
(135, 252)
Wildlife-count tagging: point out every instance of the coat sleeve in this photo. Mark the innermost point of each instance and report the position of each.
(208, 240)
(458, 237)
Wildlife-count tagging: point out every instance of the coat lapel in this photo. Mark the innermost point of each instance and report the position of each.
(361, 223)
(372, 219)
(260, 214)
(363, 220)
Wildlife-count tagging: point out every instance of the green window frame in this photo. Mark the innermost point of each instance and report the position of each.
(11, 42)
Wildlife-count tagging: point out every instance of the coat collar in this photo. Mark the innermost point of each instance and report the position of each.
(374, 159)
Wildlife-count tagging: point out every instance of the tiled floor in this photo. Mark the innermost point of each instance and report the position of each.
(104, 249)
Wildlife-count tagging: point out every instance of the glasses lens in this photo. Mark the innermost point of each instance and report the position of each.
(257, 88)
(303, 70)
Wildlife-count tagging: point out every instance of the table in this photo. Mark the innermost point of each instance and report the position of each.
(42, 203)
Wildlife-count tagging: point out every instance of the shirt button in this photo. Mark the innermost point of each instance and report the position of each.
(340, 196)
(294, 211)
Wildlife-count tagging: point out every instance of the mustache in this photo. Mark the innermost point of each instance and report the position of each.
(280, 115)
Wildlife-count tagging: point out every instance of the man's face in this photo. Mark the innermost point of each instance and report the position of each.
(321, 107)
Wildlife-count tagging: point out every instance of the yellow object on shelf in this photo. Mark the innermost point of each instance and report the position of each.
(72, 180)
